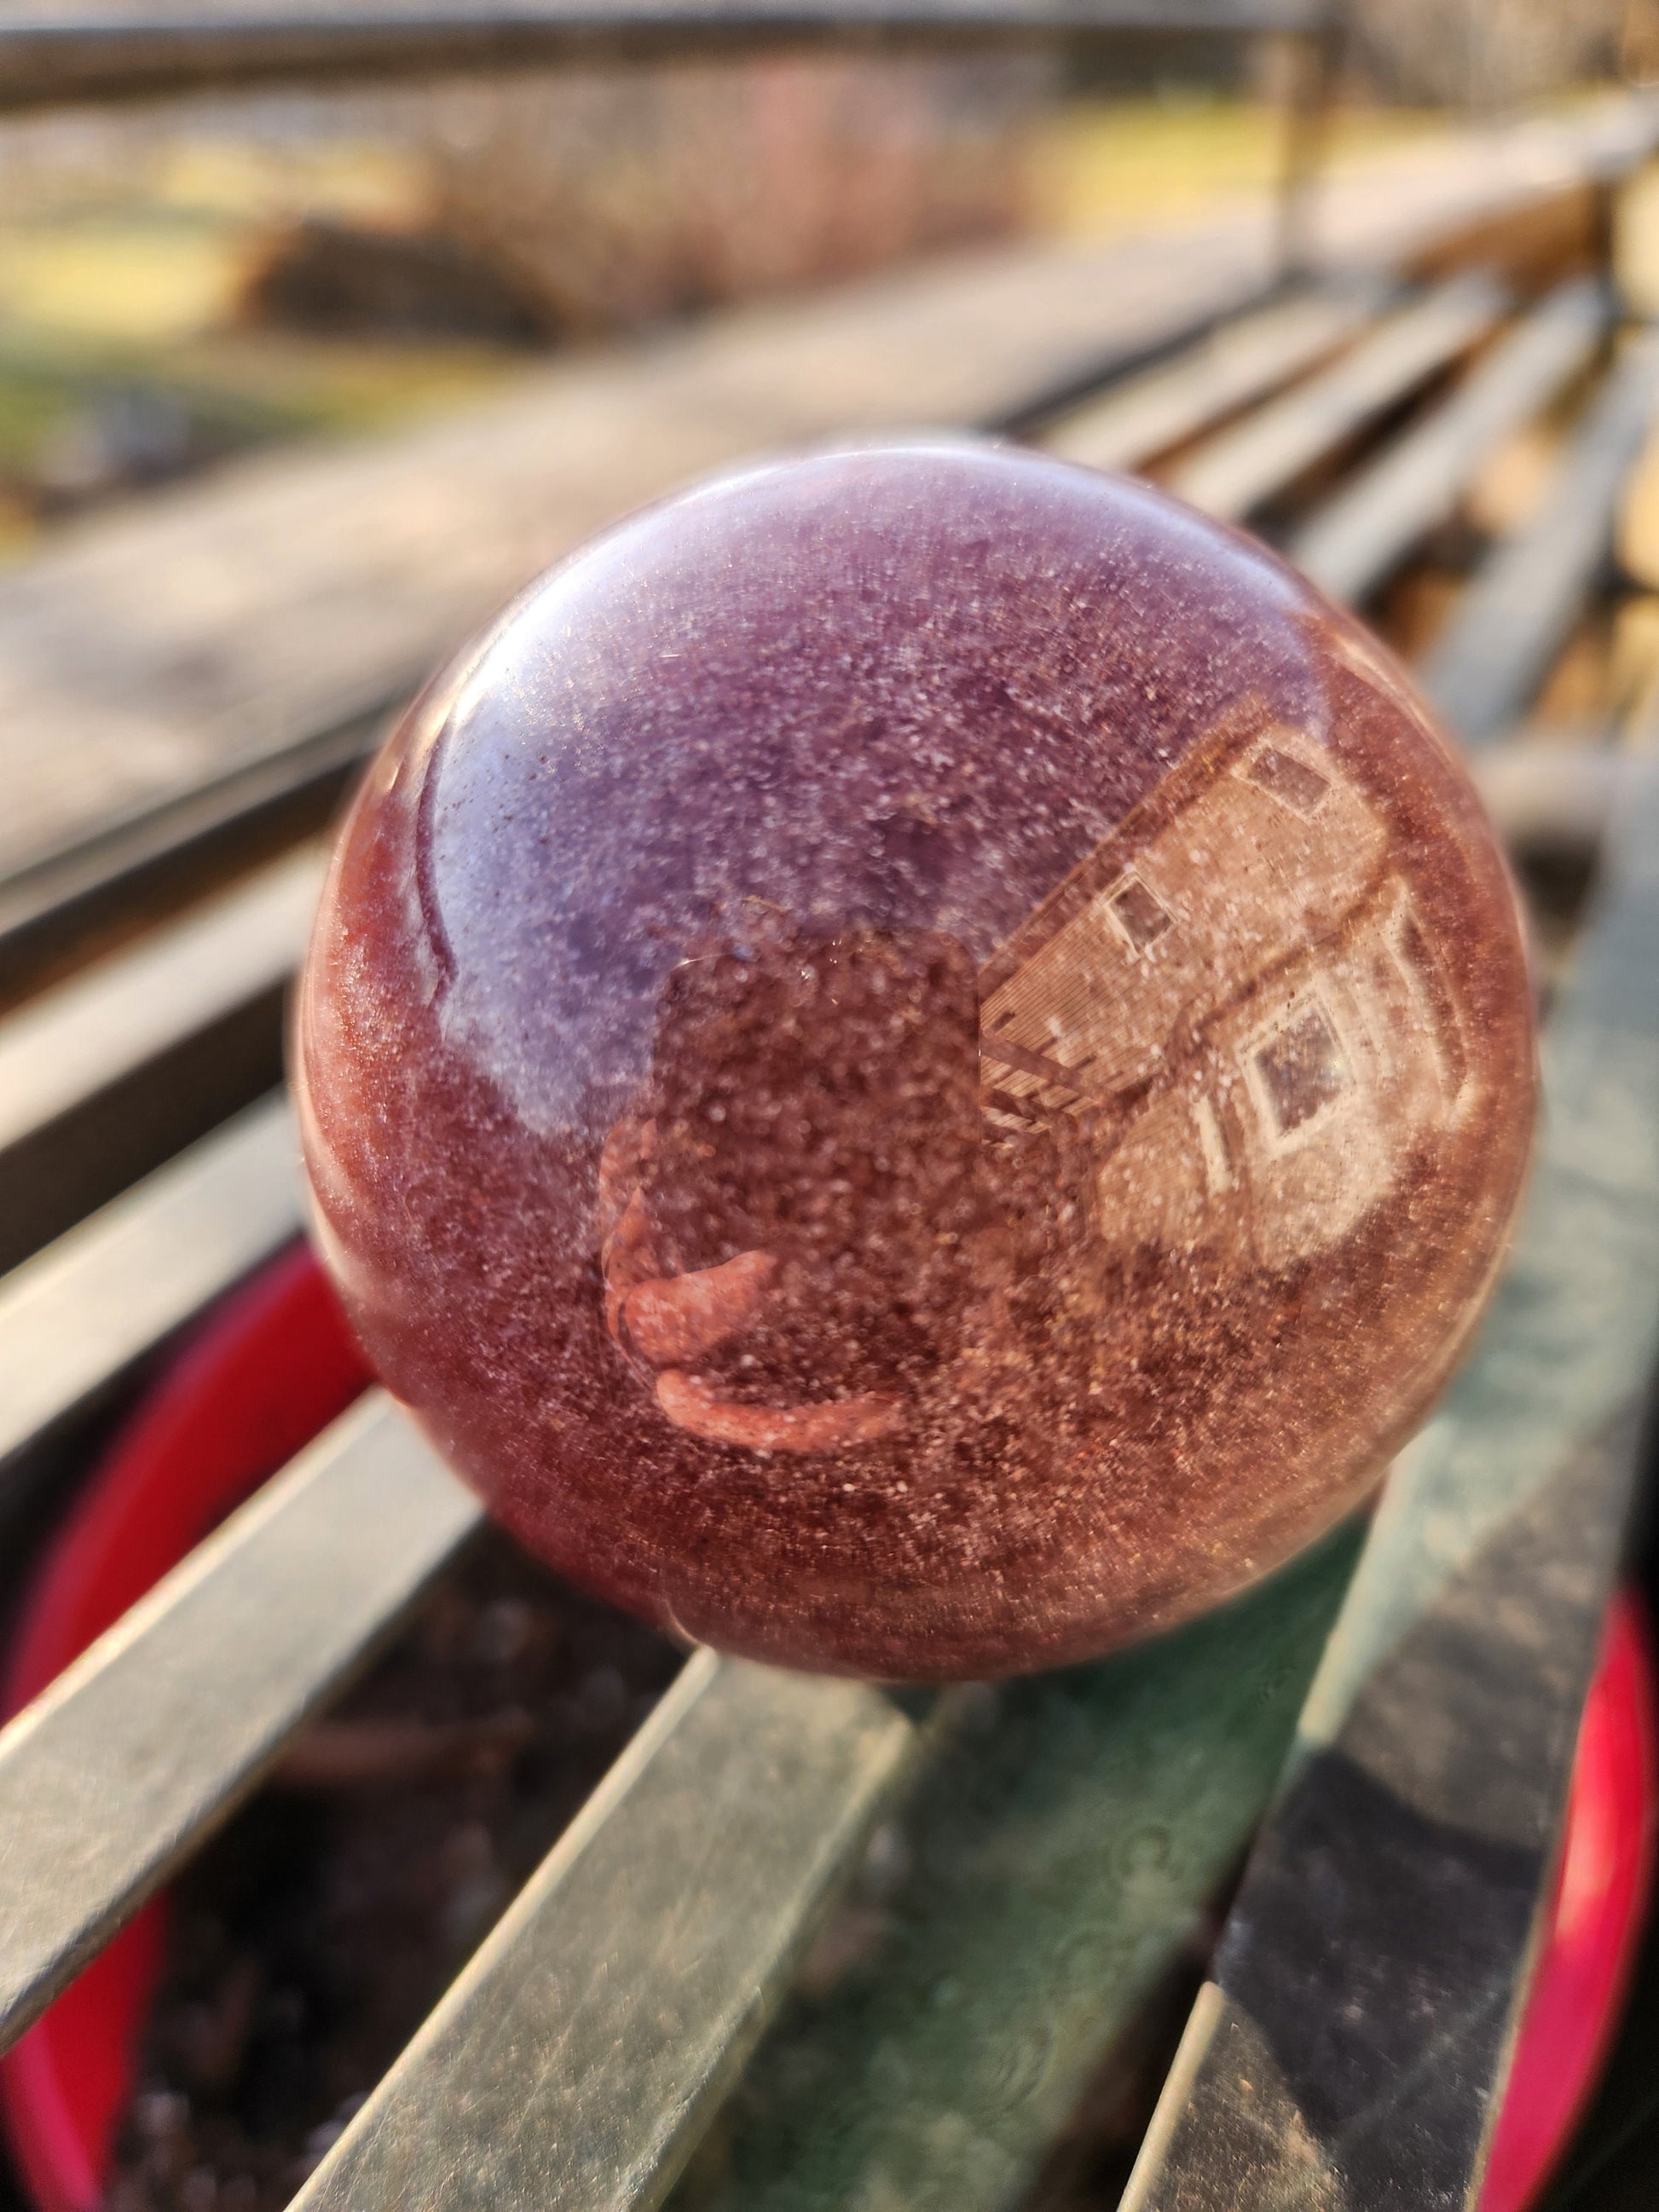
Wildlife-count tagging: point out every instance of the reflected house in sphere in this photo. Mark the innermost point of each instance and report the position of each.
(1236, 998)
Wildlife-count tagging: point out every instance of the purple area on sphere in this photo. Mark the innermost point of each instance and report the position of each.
(863, 688)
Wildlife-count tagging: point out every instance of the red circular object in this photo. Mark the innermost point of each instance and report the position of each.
(272, 1367)
(920, 1065)
(1595, 1918)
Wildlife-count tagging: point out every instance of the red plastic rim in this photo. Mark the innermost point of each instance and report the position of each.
(273, 1366)
(269, 1368)
(1595, 1918)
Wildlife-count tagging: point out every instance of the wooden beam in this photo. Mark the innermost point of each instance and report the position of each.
(1511, 623)
(148, 1742)
(1353, 541)
(462, 2052)
(211, 632)
(206, 633)
(152, 860)
(107, 1076)
(1233, 473)
(1039, 1890)
(74, 1319)
(634, 1974)
(1136, 421)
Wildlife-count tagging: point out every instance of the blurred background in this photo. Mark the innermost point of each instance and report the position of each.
(185, 283)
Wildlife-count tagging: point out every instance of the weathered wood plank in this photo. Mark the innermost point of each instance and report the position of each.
(384, 2140)
(151, 1737)
(1355, 2032)
(1232, 473)
(106, 1077)
(76, 1317)
(156, 857)
(227, 621)
(1361, 534)
(579, 2056)
(1135, 421)
(1032, 1897)
(78, 1040)
(1515, 617)
(889, 2096)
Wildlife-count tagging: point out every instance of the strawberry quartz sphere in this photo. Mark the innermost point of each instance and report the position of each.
(919, 1064)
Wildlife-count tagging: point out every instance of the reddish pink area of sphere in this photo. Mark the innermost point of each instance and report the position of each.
(918, 1065)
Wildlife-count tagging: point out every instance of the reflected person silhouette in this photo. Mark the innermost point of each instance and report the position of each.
(792, 1216)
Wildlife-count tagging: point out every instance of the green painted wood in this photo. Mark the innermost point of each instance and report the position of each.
(1062, 1855)
(1351, 2047)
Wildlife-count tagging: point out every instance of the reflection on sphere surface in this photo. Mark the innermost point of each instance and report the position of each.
(919, 1064)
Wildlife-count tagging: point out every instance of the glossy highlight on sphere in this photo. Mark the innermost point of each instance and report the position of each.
(918, 1065)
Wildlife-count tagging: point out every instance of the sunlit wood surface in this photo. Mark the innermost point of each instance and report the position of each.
(234, 617)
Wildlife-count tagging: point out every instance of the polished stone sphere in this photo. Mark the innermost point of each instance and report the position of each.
(919, 1064)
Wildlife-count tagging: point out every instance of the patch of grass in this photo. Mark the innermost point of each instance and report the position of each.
(144, 279)
(107, 298)
(34, 396)
(344, 385)
(1115, 166)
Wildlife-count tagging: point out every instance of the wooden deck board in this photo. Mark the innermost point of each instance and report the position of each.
(1237, 470)
(76, 1317)
(1362, 533)
(230, 619)
(1487, 665)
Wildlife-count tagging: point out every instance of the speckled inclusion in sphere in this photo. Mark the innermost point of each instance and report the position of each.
(920, 1065)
